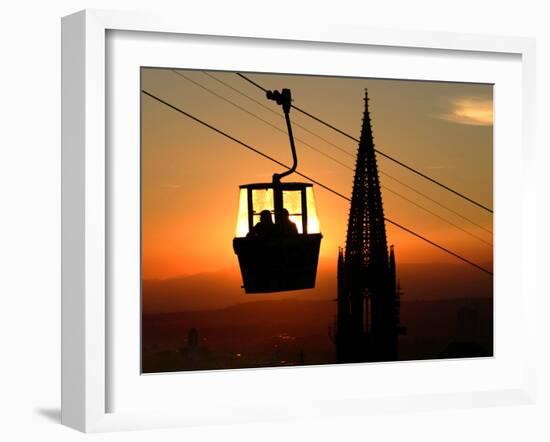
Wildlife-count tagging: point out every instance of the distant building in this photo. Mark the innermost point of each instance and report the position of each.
(193, 338)
(191, 351)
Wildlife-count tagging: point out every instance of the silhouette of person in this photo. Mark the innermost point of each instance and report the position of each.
(286, 226)
(264, 228)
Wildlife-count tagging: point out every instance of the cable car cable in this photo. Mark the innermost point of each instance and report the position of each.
(341, 149)
(437, 216)
(332, 158)
(411, 169)
(221, 97)
(278, 114)
(435, 202)
(181, 111)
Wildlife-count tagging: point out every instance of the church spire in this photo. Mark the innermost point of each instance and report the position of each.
(366, 237)
(366, 300)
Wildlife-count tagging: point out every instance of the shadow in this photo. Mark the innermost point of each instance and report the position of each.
(51, 414)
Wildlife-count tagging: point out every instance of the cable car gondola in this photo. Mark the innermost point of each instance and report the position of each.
(278, 236)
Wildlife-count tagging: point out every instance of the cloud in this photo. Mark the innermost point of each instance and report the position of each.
(472, 111)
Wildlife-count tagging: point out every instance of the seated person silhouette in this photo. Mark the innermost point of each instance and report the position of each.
(265, 228)
(286, 226)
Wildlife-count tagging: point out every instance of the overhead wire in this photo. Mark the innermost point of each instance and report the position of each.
(294, 123)
(437, 216)
(221, 97)
(226, 84)
(259, 152)
(323, 153)
(479, 226)
(400, 163)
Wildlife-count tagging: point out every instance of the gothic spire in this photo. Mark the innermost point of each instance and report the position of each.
(366, 244)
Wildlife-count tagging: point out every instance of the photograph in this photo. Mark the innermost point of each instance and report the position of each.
(300, 220)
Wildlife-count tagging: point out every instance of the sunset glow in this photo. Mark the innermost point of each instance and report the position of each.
(191, 204)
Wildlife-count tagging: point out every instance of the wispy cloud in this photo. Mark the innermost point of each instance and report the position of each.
(472, 111)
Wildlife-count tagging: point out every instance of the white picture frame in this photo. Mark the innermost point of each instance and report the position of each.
(87, 317)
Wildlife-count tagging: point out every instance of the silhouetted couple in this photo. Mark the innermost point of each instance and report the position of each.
(266, 229)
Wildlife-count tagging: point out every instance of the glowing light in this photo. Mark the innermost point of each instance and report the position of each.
(262, 199)
(292, 201)
(242, 216)
(313, 225)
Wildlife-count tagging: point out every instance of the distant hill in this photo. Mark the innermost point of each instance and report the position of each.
(207, 291)
(221, 289)
(438, 281)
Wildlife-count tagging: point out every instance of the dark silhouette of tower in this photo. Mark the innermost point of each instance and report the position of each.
(368, 299)
(193, 338)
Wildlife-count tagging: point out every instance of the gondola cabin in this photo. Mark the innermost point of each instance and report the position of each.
(278, 237)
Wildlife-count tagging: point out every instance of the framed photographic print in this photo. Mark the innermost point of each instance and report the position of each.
(228, 282)
(260, 224)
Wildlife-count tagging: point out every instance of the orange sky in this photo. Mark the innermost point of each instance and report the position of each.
(190, 174)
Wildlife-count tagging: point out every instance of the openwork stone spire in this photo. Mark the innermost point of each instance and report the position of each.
(367, 316)
(366, 244)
